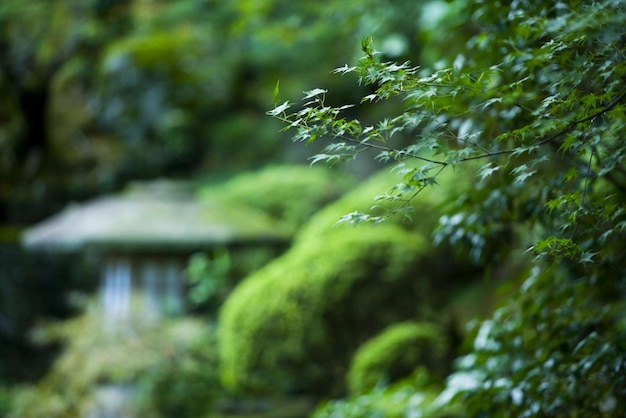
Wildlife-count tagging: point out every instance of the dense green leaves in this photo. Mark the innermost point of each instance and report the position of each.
(534, 104)
(524, 103)
(553, 351)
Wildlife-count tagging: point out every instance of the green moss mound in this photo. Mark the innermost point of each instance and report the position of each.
(425, 208)
(395, 353)
(289, 194)
(293, 325)
(447, 273)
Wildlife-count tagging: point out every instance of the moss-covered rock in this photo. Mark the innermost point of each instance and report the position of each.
(395, 353)
(425, 208)
(289, 194)
(447, 270)
(294, 324)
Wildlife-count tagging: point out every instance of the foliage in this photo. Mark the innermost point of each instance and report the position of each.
(208, 277)
(286, 194)
(446, 274)
(167, 368)
(395, 353)
(289, 194)
(418, 216)
(271, 34)
(412, 397)
(536, 98)
(42, 45)
(553, 350)
(182, 86)
(6, 400)
(140, 104)
(557, 140)
(212, 276)
(294, 324)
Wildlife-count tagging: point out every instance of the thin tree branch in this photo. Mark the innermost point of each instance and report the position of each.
(557, 134)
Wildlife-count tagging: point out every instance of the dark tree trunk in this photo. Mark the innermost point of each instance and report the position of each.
(34, 140)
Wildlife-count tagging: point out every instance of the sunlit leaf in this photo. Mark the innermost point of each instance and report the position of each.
(279, 109)
(314, 93)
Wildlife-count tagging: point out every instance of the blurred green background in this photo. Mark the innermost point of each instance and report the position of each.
(101, 95)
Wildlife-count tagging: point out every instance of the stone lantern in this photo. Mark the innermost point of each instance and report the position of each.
(143, 237)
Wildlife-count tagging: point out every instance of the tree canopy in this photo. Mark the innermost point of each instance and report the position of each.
(535, 101)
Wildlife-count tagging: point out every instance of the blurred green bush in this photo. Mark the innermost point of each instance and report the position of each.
(449, 268)
(395, 353)
(160, 369)
(426, 208)
(294, 324)
(290, 194)
(414, 396)
(6, 397)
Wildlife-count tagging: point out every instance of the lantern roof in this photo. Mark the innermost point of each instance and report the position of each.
(159, 216)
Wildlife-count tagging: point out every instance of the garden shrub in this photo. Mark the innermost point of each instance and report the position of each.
(290, 194)
(426, 208)
(168, 367)
(5, 399)
(395, 353)
(411, 397)
(451, 272)
(161, 52)
(294, 324)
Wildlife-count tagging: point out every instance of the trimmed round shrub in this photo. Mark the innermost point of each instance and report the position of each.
(446, 272)
(294, 325)
(395, 353)
(290, 194)
(425, 208)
